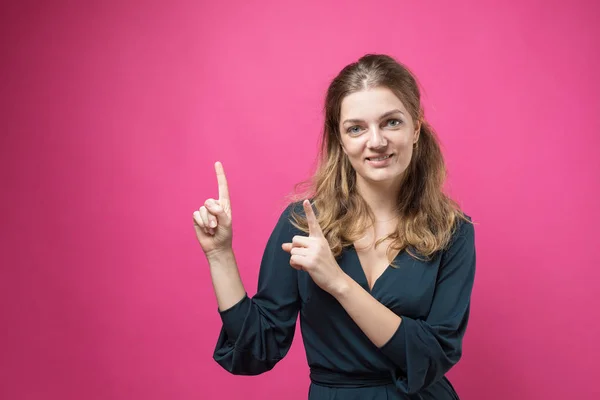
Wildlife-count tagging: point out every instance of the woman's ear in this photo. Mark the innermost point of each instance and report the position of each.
(417, 131)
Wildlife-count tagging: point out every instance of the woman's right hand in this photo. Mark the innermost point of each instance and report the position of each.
(212, 221)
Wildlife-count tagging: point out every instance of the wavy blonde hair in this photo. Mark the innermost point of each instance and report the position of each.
(427, 216)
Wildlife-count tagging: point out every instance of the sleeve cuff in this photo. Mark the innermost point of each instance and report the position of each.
(395, 348)
(233, 318)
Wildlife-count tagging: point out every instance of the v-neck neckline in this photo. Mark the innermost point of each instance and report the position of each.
(364, 277)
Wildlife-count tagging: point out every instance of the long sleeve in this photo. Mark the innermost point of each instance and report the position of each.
(257, 332)
(423, 351)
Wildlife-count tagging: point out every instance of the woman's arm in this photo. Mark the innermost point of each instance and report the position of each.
(226, 279)
(377, 321)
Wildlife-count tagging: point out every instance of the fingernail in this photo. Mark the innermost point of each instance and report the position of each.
(213, 224)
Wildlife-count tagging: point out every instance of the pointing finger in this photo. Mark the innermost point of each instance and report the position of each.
(222, 181)
(313, 225)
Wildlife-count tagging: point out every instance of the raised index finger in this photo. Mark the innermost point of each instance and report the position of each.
(313, 225)
(222, 181)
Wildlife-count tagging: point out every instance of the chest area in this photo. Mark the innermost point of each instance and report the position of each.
(407, 288)
(374, 261)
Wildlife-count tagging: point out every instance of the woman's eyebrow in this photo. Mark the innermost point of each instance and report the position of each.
(387, 114)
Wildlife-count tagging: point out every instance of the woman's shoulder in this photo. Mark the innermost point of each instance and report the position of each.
(463, 231)
(290, 208)
(286, 214)
(464, 224)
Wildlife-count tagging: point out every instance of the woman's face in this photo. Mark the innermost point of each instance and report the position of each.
(378, 135)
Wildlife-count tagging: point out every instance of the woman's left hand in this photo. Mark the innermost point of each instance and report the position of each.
(313, 255)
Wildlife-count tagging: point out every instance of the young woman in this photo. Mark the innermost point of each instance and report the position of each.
(380, 270)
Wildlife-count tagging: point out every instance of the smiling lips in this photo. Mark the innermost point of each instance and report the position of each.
(379, 158)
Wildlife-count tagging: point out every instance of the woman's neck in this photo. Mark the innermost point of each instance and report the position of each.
(381, 198)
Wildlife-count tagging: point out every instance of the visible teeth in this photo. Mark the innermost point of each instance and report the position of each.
(379, 158)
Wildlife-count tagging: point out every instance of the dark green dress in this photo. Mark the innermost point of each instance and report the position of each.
(432, 298)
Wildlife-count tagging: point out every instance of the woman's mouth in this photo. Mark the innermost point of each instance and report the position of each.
(380, 161)
(380, 158)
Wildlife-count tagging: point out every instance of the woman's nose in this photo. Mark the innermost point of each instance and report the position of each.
(376, 139)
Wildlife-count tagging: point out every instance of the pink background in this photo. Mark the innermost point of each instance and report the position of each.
(113, 114)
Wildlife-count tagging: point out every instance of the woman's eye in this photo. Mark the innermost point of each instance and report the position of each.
(353, 130)
(394, 122)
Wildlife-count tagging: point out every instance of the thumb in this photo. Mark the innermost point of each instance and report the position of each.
(217, 210)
